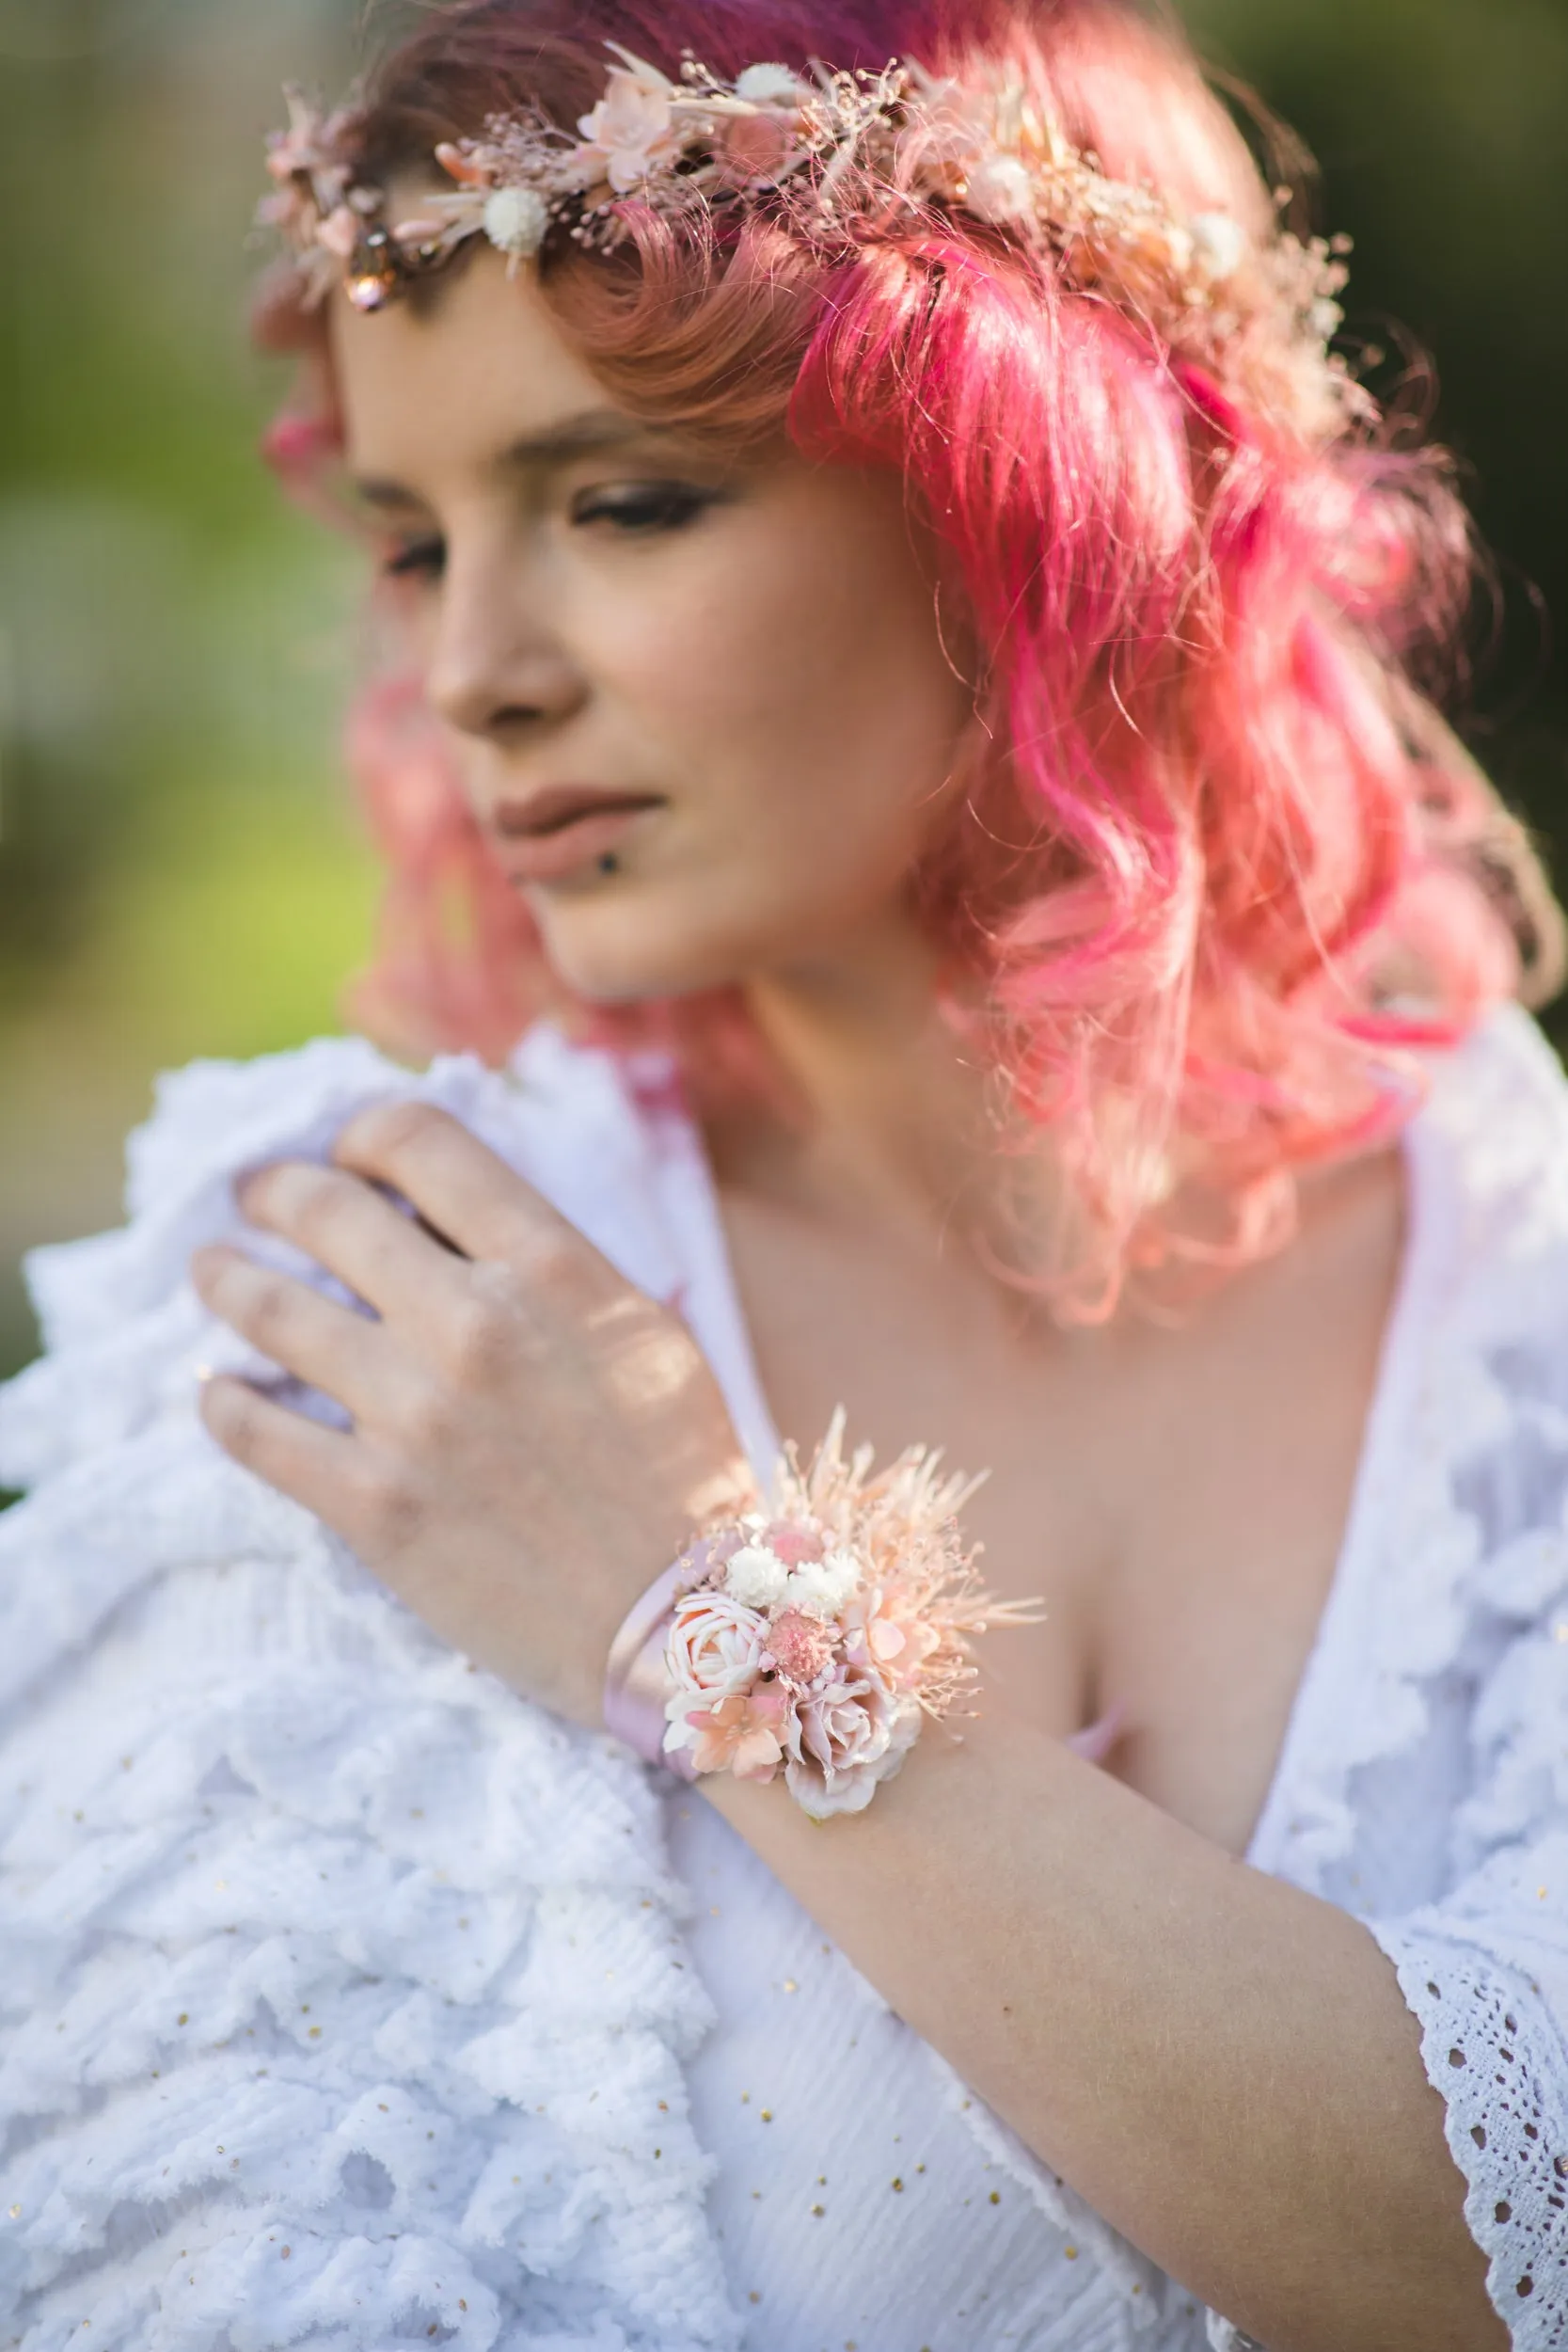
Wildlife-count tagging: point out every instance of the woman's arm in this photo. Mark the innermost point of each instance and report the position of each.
(1223, 2065)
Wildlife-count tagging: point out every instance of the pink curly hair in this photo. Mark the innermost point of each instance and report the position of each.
(1222, 865)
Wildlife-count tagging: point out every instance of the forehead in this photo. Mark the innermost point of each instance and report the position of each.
(450, 386)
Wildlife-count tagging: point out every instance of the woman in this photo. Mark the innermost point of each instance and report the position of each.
(911, 654)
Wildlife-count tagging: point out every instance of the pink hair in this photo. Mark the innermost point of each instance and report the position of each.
(1224, 862)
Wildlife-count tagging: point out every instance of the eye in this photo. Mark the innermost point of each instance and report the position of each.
(420, 557)
(644, 508)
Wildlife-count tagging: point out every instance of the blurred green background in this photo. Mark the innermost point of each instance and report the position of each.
(180, 871)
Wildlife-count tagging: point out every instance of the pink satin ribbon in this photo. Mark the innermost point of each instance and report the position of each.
(636, 1683)
(1095, 1745)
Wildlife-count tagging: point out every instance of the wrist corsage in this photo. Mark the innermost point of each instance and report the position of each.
(813, 1637)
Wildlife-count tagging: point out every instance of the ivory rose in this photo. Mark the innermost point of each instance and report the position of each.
(715, 1648)
(633, 129)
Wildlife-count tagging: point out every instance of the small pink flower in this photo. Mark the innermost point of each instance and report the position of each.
(755, 146)
(742, 1735)
(800, 1645)
(794, 1544)
(633, 129)
(715, 1648)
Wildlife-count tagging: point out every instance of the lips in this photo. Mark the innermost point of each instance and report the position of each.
(553, 833)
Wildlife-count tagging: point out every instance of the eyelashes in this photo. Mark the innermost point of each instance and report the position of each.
(422, 556)
(644, 510)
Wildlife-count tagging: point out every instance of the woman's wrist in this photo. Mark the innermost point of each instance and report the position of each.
(813, 1637)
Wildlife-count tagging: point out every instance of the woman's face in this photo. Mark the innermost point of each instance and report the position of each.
(705, 712)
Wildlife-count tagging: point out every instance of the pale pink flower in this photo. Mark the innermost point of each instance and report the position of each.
(715, 1648)
(744, 1734)
(632, 130)
(899, 1641)
(847, 1738)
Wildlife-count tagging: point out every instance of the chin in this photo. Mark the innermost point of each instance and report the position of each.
(609, 951)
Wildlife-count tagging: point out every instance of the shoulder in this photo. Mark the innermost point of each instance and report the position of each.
(599, 1135)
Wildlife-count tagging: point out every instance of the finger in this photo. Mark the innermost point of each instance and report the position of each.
(346, 1226)
(460, 1185)
(317, 1467)
(327, 1346)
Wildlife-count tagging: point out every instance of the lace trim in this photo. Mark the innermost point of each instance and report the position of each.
(1489, 2049)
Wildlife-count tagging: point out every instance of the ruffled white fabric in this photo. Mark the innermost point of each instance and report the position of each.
(343, 1996)
(345, 1999)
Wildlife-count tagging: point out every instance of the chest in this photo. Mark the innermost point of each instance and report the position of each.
(1176, 1494)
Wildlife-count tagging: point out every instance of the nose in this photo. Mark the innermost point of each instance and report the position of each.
(497, 669)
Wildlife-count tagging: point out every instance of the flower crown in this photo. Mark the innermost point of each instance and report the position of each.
(844, 159)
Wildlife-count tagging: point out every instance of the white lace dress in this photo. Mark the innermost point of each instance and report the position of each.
(348, 2001)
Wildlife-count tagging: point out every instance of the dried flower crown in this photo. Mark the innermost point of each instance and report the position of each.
(843, 158)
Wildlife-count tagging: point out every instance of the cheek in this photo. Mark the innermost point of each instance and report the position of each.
(802, 693)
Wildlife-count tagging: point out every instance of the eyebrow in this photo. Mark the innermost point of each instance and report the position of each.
(582, 436)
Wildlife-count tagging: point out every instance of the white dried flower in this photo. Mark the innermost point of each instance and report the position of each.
(1219, 244)
(768, 86)
(516, 220)
(1000, 188)
(757, 1576)
(824, 1588)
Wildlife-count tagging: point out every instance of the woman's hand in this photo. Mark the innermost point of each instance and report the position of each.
(533, 1439)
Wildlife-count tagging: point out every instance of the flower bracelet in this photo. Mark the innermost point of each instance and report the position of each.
(814, 1636)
